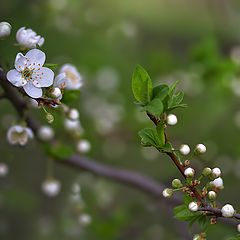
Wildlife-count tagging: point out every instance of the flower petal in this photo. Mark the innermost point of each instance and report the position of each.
(44, 76)
(36, 57)
(32, 91)
(16, 78)
(20, 62)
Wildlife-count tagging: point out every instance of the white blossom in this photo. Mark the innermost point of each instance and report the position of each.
(45, 133)
(19, 135)
(193, 206)
(184, 149)
(3, 169)
(218, 183)
(27, 38)
(189, 172)
(83, 146)
(51, 187)
(30, 74)
(200, 148)
(171, 119)
(5, 29)
(212, 195)
(68, 78)
(227, 210)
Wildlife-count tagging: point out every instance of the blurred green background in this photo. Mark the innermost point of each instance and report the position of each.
(195, 42)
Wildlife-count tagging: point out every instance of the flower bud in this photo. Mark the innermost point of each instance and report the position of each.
(193, 206)
(167, 192)
(197, 237)
(184, 149)
(3, 169)
(206, 171)
(228, 210)
(171, 119)
(72, 125)
(5, 29)
(83, 146)
(212, 195)
(56, 93)
(176, 183)
(73, 114)
(200, 149)
(189, 172)
(238, 227)
(216, 172)
(84, 219)
(45, 133)
(51, 187)
(217, 183)
(49, 118)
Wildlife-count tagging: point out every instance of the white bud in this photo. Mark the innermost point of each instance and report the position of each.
(45, 133)
(3, 169)
(212, 195)
(197, 237)
(51, 187)
(184, 149)
(5, 29)
(27, 38)
(71, 124)
(238, 227)
(73, 114)
(56, 93)
(167, 192)
(84, 219)
(200, 149)
(193, 206)
(216, 172)
(83, 146)
(227, 210)
(171, 119)
(189, 172)
(218, 183)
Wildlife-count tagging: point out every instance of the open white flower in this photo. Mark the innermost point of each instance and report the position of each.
(30, 74)
(68, 78)
(19, 135)
(27, 38)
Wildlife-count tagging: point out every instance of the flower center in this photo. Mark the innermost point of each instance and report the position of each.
(27, 74)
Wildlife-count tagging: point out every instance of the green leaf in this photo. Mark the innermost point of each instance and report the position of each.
(182, 213)
(149, 137)
(142, 85)
(52, 66)
(160, 91)
(161, 135)
(155, 107)
(167, 147)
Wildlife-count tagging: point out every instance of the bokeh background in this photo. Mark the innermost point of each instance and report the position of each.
(195, 42)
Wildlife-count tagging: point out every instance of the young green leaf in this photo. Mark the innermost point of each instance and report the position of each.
(160, 91)
(155, 107)
(182, 213)
(142, 85)
(149, 137)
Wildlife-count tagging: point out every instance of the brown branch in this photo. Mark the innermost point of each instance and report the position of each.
(131, 178)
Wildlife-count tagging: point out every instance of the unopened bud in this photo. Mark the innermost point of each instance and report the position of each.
(206, 171)
(167, 192)
(200, 149)
(238, 227)
(171, 119)
(5, 29)
(184, 149)
(176, 183)
(216, 172)
(193, 206)
(212, 195)
(189, 172)
(56, 93)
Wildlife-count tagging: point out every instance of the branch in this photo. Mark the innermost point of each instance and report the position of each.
(134, 179)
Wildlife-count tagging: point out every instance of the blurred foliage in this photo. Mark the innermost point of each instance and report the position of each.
(194, 42)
